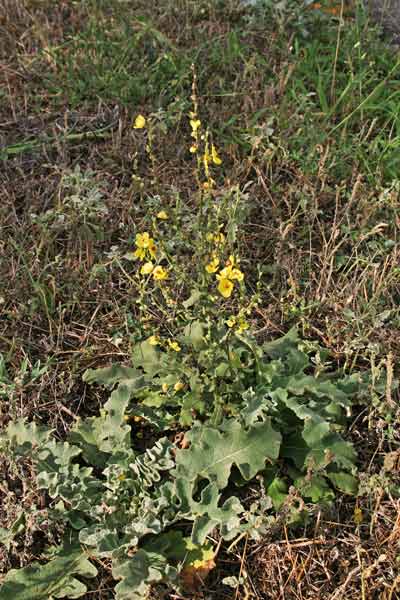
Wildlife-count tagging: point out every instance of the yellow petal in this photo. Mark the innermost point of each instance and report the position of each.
(162, 215)
(139, 253)
(215, 158)
(147, 268)
(159, 273)
(212, 266)
(195, 124)
(153, 340)
(152, 249)
(174, 346)
(225, 287)
(225, 273)
(140, 122)
(237, 274)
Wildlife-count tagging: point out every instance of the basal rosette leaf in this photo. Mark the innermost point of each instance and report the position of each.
(23, 438)
(138, 573)
(56, 579)
(114, 375)
(207, 512)
(213, 453)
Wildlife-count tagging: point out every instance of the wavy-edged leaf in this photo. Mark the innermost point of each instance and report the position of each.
(56, 579)
(138, 573)
(24, 437)
(206, 511)
(113, 375)
(213, 453)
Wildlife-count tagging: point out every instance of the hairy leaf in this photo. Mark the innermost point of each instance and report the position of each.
(139, 573)
(116, 374)
(56, 579)
(212, 453)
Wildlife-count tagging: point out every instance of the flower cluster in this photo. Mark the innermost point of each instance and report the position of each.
(146, 249)
(227, 276)
(238, 323)
(172, 344)
(209, 155)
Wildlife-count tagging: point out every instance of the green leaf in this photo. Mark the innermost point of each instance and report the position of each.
(206, 512)
(193, 299)
(56, 579)
(18, 526)
(139, 573)
(280, 347)
(254, 407)
(25, 437)
(86, 434)
(194, 334)
(105, 542)
(175, 547)
(212, 453)
(111, 376)
(344, 482)
(275, 487)
(315, 487)
(146, 356)
(333, 449)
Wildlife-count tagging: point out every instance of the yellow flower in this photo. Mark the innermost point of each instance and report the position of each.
(212, 266)
(159, 273)
(179, 386)
(122, 477)
(164, 388)
(194, 124)
(153, 340)
(144, 243)
(230, 271)
(140, 253)
(174, 346)
(140, 122)
(193, 149)
(218, 238)
(237, 274)
(142, 240)
(147, 268)
(243, 325)
(162, 215)
(225, 287)
(215, 158)
(152, 249)
(231, 322)
(226, 272)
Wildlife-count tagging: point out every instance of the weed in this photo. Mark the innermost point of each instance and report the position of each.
(274, 205)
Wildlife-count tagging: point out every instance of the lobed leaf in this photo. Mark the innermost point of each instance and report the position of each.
(56, 579)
